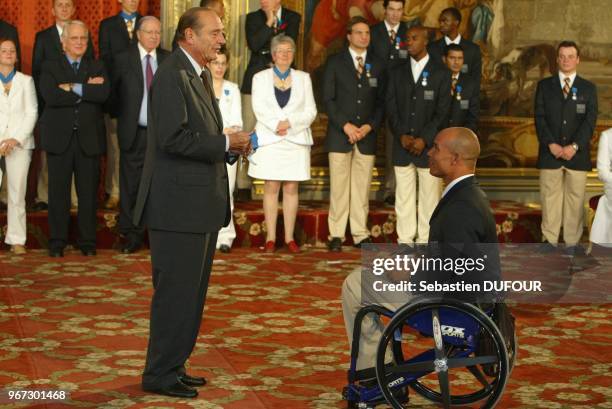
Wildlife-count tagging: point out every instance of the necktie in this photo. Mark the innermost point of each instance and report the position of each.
(454, 82)
(130, 28)
(207, 86)
(566, 87)
(392, 35)
(75, 67)
(149, 72)
(359, 65)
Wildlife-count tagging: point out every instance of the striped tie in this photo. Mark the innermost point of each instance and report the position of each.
(359, 65)
(454, 82)
(566, 87)
(392, 35)
(130, 28)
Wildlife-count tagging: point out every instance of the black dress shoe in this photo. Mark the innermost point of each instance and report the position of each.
(88, 252)
(56, 253)
(177, 390)
(362, 242)
(39, 207)
(335, 244)
(546, 247)
(224, 248)
(129, 248)
(192, 380)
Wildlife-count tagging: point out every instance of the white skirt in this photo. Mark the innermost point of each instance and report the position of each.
(283, 160)
(601, 230)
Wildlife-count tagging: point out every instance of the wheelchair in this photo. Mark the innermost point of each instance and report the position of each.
(465, 339)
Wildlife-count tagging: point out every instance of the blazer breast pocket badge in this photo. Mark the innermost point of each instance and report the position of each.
(373, 82)
(465, 104)
(428, 95)
(464, 69)
(581, 108)
(403, 54)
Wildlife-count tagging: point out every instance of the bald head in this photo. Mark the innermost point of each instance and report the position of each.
(454, 154)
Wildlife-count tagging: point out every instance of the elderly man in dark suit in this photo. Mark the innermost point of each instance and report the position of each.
(48, 46)
(418, 101)
(72, 133)
(183, 198)
(450, 19)
(353, 91)
(388, 44)
(565, 117)
(9, 31)
(116, 34)
(465, 102)
(462, 226)
(132, 78)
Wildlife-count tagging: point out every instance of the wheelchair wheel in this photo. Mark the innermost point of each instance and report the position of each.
(429, 368)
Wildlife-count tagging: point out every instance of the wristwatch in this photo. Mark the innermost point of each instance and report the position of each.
(575, 146)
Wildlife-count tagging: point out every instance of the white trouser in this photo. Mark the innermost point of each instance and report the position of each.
(228, 234)
(17, 165)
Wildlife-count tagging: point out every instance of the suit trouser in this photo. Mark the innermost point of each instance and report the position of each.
(17, 165)
(42, 183)
(228, 233)
(111, 179)
(389, 170)
(355, 297)
(562, 193)
(131, 163)
(350, 178)
(243, 181)
(86, 170)
(181, 265)
(413, 223)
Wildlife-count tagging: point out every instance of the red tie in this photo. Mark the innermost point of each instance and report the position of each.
(149, 72)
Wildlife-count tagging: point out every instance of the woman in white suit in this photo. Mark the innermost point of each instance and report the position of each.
(601, 231)
(18, 112)
(284, 107)
(228, 97)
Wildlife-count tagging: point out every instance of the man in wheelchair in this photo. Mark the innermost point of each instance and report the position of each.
(461, 227)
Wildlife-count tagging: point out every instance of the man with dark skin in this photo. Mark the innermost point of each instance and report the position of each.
(465, 102)
(418, 100)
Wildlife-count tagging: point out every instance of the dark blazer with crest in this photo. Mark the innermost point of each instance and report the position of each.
(259, 35)
(381, 47)
(565, 121)
(472, 57)
(349, 98)
(184, 186)
(48, 46)
(465, 105)
(128, 88)
(66, 110)
(416, 109)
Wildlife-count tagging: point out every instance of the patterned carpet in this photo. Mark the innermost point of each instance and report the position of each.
(272, 335)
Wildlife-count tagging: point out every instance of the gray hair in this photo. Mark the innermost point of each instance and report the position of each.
(144, 20)
(70, 23)
(281, 39)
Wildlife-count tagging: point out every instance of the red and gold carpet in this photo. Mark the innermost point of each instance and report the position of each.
(272, 335)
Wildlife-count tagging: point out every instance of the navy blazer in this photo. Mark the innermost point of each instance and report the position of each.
(565, 121)
(381, 47)
(472, 57)
(465, 105)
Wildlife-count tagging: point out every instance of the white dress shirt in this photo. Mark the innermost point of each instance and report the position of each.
(418, 67)
(395, 28)
(453, 183)
(457, 40)
(60, 29)
(142, 117)
(562, 77)
(354, 55)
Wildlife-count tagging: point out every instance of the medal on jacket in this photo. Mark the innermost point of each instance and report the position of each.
(425, 74)
(397, 42)
(574, 92)
(458, 90)
(368, 68)
(226, 92)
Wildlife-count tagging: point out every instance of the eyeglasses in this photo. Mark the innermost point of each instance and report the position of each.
(284, 51)
(151, 32)
(218, 63)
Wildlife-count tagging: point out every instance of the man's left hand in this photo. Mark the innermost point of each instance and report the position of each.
(568, 152)
(417, 147)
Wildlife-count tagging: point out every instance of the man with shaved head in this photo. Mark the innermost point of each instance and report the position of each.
(461, 223)
(418, 103)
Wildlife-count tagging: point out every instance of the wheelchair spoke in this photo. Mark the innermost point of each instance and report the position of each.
(437, 335)
(465, 362)
(426, 366)
(480, 376)
(444, 388)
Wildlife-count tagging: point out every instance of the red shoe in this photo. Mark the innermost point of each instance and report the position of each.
(269, 247)
(293, 247)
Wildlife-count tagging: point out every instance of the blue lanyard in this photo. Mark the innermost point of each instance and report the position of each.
(8, 78)
(127, 16)
(281, 75)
